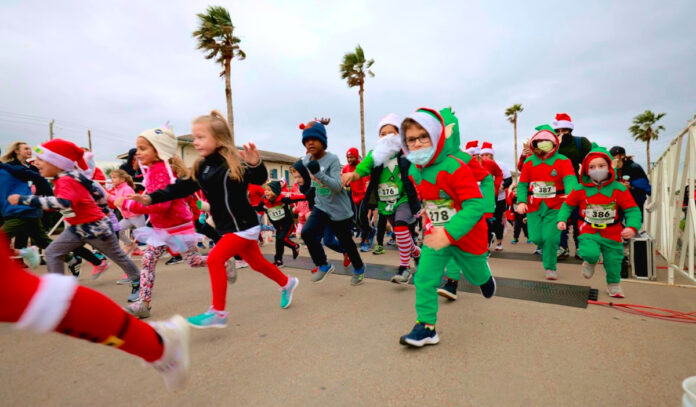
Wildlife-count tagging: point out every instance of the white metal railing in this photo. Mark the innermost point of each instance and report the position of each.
(672, 173)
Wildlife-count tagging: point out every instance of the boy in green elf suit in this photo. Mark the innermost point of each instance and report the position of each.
(455, 226)
(546, 177)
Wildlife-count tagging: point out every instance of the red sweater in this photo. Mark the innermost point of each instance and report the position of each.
(357, 188)
(86, 210)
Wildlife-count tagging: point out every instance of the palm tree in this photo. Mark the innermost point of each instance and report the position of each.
(511, 114)
(354, 69)
(643, 129)
(215, 36)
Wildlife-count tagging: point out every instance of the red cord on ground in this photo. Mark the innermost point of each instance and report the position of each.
(653, 312)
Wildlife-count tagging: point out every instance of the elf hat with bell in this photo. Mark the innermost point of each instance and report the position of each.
(62, 154)
(562, 122)
(487, 148)
(472, 148)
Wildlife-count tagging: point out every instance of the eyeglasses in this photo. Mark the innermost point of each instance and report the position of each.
(423, 138)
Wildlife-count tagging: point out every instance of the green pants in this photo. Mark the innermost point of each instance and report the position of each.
(430, 271)
(543, 231)
(591, 246)
(31, 227)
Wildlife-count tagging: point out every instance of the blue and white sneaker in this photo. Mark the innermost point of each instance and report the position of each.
(365, 247)
(209, 319)
(420, 336)
(31, 257)
(286, 292)
(322, 271)
(135, 291)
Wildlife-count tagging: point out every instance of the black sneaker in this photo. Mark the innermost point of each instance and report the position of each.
(174, 260)
(420, 336)
(449, 290)
(488, 288)
(278, 263)
(295, 252)
(74, 265)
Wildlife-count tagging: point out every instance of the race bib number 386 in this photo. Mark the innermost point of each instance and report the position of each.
(600, 214)
(440, 211)
(543, 189)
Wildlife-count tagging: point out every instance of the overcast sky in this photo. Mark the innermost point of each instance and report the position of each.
(120, 69)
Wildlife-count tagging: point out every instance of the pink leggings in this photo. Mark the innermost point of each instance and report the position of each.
(226, 248)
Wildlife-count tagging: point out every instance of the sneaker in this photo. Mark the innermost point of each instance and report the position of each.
(391, 242)
(499, 247)
(139, 309)
(378, 250)
(488, 288)
(174, 260)
(614, 290)
(562, 253)
(278, 263)
(231, 271)
(295, 252)
(514, 241)
(209, 319)
(125, 280)
(420, 335)
(346, 260)
(449, 290)
(537, 251)
(240, 264)
(31, 258)
(314, 270)
(365, 247)
(174, 363)
(98, 270)
(135, 291)
(286, 293)
(551, 275)
(403, 276)
(588, 269)
(358, 277)
(322, 271)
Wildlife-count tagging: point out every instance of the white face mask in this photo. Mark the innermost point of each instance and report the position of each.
(598, 174)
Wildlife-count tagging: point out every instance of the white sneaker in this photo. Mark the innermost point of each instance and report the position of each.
(614, 290)
(551, 275)
(30, 256)
(588, 269)
(240, 264)
(174, 363)
(499, 247)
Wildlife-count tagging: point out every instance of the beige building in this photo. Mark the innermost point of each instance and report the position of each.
(278, 165)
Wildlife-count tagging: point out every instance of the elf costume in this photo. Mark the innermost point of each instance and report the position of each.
(545, 178)
(603, 206)
(452, 200)
(396, 196)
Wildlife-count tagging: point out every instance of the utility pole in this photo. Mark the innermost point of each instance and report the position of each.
(89, 139)
(50, 129)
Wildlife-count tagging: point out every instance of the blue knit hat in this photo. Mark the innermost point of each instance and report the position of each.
(315, 130)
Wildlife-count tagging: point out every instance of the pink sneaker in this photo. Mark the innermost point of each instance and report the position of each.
(97, 271)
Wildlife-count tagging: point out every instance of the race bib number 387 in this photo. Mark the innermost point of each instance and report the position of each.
(600, 214)
(543, 189)
(440, 211)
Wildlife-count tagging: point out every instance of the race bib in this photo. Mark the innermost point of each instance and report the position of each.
(440, 211)
(276, 213)
(388, 191)
(543, 189)
(600, 214)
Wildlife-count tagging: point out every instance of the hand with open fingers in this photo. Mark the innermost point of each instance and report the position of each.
(13, 199)
(143, 199)
(349, 177)
(562, 226)
(628, 233)
(437, 239)
(521, 208)
(250, 154)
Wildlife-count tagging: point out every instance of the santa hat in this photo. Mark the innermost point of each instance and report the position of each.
(562, 122)
(487, 148)
(389, 120)
(472, 148)
(62, 153)
(353, 152)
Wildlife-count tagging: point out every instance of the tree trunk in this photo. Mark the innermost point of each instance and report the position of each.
(362, 122)
(514, 126)
(647, 149)
(228, 96)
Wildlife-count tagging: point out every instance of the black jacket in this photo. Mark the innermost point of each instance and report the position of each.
(229, 200)
(640, 185)
(404, 165)
(575, 148)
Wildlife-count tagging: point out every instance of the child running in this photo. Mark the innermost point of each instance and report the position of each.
(454, 222)
(55, 303)
(546, 176)
(83, 204)
(277, 206)
(604, 203)
(172, 225)
(397, 199)
(332, 205)
(223, 173)
(123, 188)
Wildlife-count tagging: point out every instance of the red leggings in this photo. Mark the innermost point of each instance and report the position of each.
(226, 248)
(29, 300)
